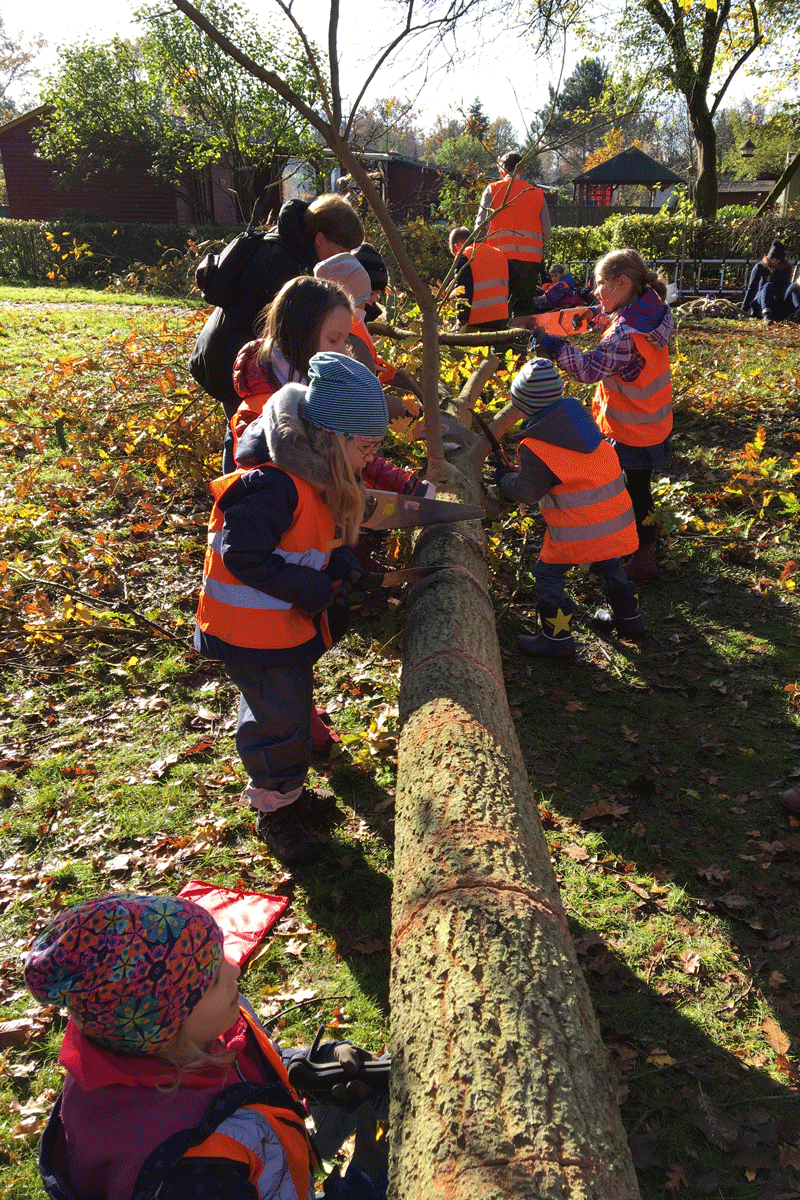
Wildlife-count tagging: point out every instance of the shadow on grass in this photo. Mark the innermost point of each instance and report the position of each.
(681, 744)
(698, 1119)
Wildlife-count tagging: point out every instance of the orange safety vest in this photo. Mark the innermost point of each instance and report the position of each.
(239, 1138)
(517, 229)
(248, 411)
(358, 329)
(589, 515)
(243, 615)
(638, 413)
(489, 283)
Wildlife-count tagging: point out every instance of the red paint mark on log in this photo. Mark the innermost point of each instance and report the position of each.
(535, 900)
(457, 654)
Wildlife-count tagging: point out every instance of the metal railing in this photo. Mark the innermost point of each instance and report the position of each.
(716, 276)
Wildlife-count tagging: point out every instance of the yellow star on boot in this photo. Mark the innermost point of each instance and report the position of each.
(560, 622)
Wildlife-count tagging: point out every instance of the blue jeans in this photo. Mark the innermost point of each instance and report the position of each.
(777, 303)
(550, 580)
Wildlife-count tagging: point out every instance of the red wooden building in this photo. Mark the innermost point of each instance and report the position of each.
(34, 192)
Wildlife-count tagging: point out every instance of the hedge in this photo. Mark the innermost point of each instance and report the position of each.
(162, 257)
(100, 252)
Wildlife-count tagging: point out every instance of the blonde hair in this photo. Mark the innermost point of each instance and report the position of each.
(630, 262)
(344, 495)
(335, 219)
(187, 1056)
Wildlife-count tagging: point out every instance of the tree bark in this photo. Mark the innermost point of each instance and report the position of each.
(500, 1082)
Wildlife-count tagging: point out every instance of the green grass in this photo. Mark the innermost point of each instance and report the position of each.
(656, 767)
(34, 293)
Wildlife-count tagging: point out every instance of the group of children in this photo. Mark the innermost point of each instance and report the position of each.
(172, 1087)
(481, 285)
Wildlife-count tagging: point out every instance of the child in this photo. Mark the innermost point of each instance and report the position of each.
(273, 564)
(575, 476)
(308, 316)
(559, 275)
(481, 272)
(633, 402)
(172, 1087)
(373, 263)
(770, 293)
(346, 271)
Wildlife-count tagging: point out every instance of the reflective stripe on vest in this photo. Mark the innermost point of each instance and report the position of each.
(248, 1135)
(516, 230)
(245, 616)
(638, 413)
(489, 283)
(589, 515)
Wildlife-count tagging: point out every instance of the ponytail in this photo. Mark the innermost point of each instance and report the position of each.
(630, 262)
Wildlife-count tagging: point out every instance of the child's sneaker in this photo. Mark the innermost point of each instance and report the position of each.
(314, 803)
(286, 837)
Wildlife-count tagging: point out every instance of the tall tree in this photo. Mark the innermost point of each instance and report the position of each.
(16, 69)
(477, 123)
(697, 47)
(176, 98)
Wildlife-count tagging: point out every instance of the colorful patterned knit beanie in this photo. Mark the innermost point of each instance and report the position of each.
(129, 968)
(344, 397)
(537, 386)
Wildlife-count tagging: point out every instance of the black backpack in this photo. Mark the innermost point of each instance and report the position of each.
(216, 274)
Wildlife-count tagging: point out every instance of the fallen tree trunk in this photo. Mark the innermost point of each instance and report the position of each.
(500, 1082)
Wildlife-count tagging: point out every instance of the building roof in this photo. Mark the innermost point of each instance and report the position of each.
(745, 185)
(631, 166)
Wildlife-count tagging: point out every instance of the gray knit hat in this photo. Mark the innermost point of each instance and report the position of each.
(345, 397)
(536, 386)
(348, 273)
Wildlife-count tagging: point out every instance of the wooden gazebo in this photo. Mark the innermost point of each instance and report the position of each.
(631, 168)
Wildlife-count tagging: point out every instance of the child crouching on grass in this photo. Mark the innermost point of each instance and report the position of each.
(172, 1087)
(574, 475)
(274, 564)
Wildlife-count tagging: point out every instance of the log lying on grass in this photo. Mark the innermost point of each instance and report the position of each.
(500, 1081)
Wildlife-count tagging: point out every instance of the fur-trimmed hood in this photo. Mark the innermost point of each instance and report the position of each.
(278, 436)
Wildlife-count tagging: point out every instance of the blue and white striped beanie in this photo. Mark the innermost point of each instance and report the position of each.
(537, 385)
(345, 397)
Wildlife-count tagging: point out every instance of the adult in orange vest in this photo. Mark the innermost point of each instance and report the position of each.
(480, 272)
(633, 401)
(279, 551)
(574, 475)
(172, 1087)
(513, 217)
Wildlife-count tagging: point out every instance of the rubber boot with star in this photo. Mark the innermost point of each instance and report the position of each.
(555, 640)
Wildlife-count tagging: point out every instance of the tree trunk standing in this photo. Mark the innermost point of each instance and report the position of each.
(705, 192)
(500, 1082)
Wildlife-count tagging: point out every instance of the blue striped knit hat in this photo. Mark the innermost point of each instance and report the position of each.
(345, 397)
(538, 385)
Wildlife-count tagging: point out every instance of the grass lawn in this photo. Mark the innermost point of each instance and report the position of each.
(656, 767)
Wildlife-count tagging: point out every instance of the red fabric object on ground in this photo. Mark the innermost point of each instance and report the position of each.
(245, 918)
(322, 736)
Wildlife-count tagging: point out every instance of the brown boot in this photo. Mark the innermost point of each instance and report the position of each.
(642, 564)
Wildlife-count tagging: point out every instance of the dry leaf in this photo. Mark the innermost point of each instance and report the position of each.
(603, 808)
(690, 962)
(775, 1036)
(676, 1178)
(368, 945)
(579, 853)
(14, 1033)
